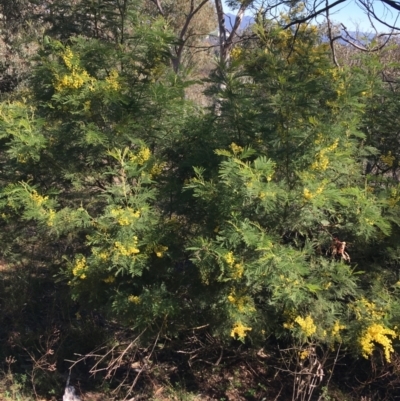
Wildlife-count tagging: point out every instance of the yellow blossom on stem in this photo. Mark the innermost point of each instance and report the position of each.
(322, 161)
(157, 169)
(237, 270)
(236, 52)
(288, 325)
(377, 333)
(134, 299)
(126, 216)
(68, 56)
(336, 329)
(112, 80)
(77, 76)
(159, 250)
(229, 258)
(126, 251)
(242, 302)
(307, 194)
(109, 279)
(79, 268)
(51, 216)
(303, 354)
(239, 331)
(38, 199)
(236, 148)
(307, 325)
(103, 255)
(143, 155)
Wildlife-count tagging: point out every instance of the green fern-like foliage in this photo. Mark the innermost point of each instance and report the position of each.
(253, 218)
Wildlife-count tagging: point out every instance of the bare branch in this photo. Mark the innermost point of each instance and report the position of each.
(352, 42)
(370, 10)
(314, 14)
(221, 25)
(393, 4)
(238, 21)
(331, 42)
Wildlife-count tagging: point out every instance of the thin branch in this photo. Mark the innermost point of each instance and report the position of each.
(238, 21)
(362, 48)
(393, 4)
(190, 17)
(314, 14)
(143, 367)
(331, 42)
(370, 10)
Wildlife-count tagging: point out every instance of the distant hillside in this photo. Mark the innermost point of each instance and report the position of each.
(362, 38)
(230, 20)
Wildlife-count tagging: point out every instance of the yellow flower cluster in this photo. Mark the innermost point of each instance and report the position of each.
(229, 258)
(51, 217)
(159, 250)
(87, 105)
(336, 329)
(388, 159)
(126, 216)
(319, 139)
(74, 80)
(127, 251)
(236, 148)
(288, 325)
(112, 80)
(79, 268)
(370, 309)
(242, 303)
(77, 76)
(38, 199)
(307, 325)
(369, 222)
(109, 279)
(236, 53)
(143, 155)
(377, 333)
(394, 197)
(239, 331)
(237, 270)
(309, 195)
(68, 56)
(134, 299)
(322, 161)
(290, 316)
(304, 354)
(157, 169)
(295, 282)
(341, 89)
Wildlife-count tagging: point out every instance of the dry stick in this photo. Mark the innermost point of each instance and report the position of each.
(141, 370)
(277, 397)
(112, 364)
(94, 369)
(333, 367)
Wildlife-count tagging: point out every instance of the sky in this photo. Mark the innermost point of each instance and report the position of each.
(354, 18)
